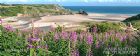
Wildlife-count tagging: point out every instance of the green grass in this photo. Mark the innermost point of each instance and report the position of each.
(33, 10)
(105, 26)
(135, 20)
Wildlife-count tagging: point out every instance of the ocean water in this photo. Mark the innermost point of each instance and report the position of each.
(107, 9)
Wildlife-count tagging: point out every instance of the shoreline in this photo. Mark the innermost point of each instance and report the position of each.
(111, 13)
(69, 20)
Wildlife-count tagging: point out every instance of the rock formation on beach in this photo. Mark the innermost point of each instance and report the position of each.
(82, 12)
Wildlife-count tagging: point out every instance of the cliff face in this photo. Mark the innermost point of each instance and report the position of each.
(32, 10)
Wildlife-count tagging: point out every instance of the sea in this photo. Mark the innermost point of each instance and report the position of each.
(107, 9)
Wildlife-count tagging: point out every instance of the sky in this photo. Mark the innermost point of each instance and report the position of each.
(77, 2)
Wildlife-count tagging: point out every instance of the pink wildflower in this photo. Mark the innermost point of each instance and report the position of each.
(8, 27)
(56, 36)
(89, 39)
(73, 36)
(30, 46)
(34, 39)
(64, 35)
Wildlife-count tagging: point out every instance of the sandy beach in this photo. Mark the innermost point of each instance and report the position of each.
(68, 21)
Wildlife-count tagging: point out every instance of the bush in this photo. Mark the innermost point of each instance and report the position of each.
(135, 20)
(11, 44)
(62, 43)
(136, 24)
(106, 26)
(32, 10)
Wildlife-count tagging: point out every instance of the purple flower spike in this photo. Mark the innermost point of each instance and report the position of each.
(111, 32)
(30, 46)
(123, 38)
(89, 39)
(8, 27)
(106, 35)
(117, 34)
(35, 39)
(73, 36)
(75, 53)
(36, 32)
(56, 36)
(64, 35)
(38, 46)
(94, 29)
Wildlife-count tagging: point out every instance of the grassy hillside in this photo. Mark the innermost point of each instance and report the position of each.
(33, 10)
(135, 20)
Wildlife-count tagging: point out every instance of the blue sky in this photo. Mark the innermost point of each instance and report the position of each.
(78, 2)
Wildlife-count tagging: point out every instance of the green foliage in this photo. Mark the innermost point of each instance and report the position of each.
(136, 24)
(10, 11)
(105, 26)
(59, 48)
(136, 43)
(79, 31)
(59, 29)
(11, 44)
(14, 44)
(83, 48)
(32, 10)
(135, 20)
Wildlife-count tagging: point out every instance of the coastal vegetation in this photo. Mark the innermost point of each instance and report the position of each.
(99, 39)
(58, 42)
(135, 20)
(105, 26)
(32, 10)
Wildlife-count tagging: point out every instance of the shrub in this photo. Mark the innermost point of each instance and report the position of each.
(32, 10)
(135, 20)
(62, 43)
(12, 44)
(106, 26)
